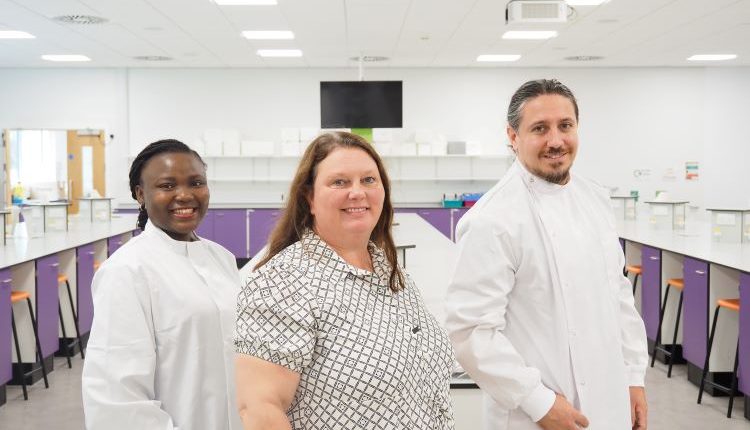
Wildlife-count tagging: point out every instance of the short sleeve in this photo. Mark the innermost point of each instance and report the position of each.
(276, 319)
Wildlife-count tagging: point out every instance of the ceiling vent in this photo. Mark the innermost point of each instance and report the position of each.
(536, 11)
(584, 58)
(80, 19)
(370, 58)
(152, 58)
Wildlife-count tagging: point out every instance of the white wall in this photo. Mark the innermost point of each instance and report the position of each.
(631, 118)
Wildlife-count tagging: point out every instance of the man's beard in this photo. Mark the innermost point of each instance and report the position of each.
(559, 178)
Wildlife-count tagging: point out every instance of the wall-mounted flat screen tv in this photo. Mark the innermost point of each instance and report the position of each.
(361, 104)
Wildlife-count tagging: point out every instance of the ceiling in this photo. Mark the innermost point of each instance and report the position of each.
(411, 33)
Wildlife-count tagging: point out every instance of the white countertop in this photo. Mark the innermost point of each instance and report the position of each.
(19, 250)
(694, 242)
(279, 205)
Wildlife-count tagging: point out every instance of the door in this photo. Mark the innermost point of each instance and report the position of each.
(85, 165)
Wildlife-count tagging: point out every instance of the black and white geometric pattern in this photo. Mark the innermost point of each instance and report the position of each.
(368, 358)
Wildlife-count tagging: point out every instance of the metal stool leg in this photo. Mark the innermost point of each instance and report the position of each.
(658, 330)
(733, 389)
(635, 283)
(75, 319)
(18, 353)
(708, 355)
(65, 335)
(674, 337)
(38, 345)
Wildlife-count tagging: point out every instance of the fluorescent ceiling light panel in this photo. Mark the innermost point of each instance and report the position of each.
(13, 34)
(245, 2)
(712, 57)
(497, 58)
(529, 35)
(56, 57)
(585, 2)
(279, 52)
(268, 35)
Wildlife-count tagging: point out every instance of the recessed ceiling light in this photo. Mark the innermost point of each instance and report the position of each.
(496, 58)
(12, 34)
(65, 57)
(585, 2)
(268, 35)
(279, 52)
(584, 58)
(712, 57)
(80, 19)
(530, 35)
(245, 2)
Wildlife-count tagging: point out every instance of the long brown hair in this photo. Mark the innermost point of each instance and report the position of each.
(296, 217)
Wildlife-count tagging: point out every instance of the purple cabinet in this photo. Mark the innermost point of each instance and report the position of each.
(651, 289)
(84, 276)
(114, 243)
(456, 215)
(744, 367)
(230, 230)
(206, 227)
(6, 367)
(261, 222)
(695, 311)
(47, 303)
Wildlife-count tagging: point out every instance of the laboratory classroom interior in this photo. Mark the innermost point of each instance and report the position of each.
(662, 85)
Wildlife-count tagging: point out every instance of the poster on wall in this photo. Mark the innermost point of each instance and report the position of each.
(691, 170)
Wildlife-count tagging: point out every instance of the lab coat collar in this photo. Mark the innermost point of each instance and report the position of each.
(178, 246)
(320, 251)
(535, 183)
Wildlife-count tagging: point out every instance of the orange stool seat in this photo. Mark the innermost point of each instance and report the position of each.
(634, 269)
(96, 265)
(678, 283)
(17, 296)
(62, 278)
(732, 304)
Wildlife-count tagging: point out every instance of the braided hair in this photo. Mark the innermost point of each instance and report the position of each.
(156, 148)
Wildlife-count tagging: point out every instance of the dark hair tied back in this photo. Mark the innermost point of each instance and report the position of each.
(156, 148)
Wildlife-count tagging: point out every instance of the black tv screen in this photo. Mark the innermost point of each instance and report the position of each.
(361, 104)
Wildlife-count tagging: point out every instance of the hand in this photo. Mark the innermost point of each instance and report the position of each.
(563, 416)
(638, 408)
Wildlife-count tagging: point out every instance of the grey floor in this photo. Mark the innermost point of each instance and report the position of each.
(671, 403)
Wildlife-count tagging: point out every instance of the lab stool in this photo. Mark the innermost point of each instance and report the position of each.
(634, 268)
(70, 346)
(678, 284)
(732, 305)
(15, 297)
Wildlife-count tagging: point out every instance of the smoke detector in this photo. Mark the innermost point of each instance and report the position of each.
(536, 11)
(80, 19)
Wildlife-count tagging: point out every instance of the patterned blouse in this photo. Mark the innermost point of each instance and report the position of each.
(367, 358)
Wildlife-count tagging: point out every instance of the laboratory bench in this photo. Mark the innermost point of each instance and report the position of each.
(710, 270)
(32, 266)
(245, 230)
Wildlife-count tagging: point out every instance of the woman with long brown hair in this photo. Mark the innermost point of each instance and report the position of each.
(331, 333)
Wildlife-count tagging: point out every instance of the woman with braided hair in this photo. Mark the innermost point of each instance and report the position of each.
(160, 353)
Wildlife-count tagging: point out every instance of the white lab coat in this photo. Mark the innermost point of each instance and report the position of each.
(160, 354)
(538, 304)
